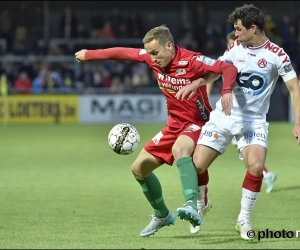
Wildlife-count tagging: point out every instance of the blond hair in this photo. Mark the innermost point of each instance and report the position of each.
(161, 33)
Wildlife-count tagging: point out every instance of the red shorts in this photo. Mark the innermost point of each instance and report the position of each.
(161, 144)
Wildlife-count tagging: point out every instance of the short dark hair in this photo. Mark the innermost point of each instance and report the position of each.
(249, 15)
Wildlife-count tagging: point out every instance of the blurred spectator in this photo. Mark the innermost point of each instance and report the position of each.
(117, 86)
(23, 83)
(8, 69)
(68, 24)
(27, 66)
(82, 32)
(186, 37)
(6, 27)
(47, 80)
(106, 31)
(123, 31)
(150, 21)
(54, 49)
(135, 24)
(139, 75)
(36, 24)
(116, 20)
(20, 48)
(96, 23)
(41, 47)
(86, 76)
(270, 27)
(104, 79)
(200, 17)
(22, 15)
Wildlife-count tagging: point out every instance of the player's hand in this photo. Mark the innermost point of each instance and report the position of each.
(296, 132)
(80, 55)
(227, 103)
(189, 90)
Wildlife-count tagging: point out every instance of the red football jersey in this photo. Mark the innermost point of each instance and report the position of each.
(184, 68)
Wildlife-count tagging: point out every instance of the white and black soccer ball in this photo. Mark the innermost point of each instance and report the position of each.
(123, 138)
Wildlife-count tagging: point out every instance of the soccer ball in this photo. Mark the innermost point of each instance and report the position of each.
(123, 138)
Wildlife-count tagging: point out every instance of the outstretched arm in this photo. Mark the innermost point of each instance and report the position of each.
(117, 53)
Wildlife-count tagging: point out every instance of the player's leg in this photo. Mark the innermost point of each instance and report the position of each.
(254, 158)
(215, 146)
(269, 176)
(182, 150)
(252, 144)
(203, 202)
(155, 153)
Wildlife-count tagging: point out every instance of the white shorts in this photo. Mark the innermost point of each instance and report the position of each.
(218, 132)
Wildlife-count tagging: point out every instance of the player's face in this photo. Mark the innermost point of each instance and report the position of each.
(245, 36)
(162, 55)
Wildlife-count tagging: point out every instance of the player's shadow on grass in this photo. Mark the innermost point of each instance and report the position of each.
(275, 190)
(217, 239)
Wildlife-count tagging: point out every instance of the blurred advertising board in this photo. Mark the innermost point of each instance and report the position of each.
(43, 109)
(123, 108)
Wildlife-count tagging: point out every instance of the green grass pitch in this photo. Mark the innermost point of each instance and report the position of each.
(62, 187)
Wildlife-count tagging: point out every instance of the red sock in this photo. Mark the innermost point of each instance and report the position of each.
(265, 169)
(252, 182)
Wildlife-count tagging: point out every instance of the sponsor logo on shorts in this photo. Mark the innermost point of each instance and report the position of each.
(258, 136)
(210, 134)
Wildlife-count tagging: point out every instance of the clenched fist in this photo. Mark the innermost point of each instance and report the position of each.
(80, 55)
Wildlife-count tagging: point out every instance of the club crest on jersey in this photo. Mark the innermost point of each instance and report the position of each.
(182, 62)
(206, 60)
(262, 63)
(180, 72)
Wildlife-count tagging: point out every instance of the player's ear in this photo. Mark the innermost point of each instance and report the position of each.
(169, 45)
(254, 28)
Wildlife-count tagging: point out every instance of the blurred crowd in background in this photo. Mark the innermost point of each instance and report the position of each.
(22, 29)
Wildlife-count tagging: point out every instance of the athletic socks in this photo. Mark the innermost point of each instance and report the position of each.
(152, 190)
(250, 192)
(188, 179)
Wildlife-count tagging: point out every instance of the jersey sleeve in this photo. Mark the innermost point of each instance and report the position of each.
(204, 65)
(285, 68)
(117, 53)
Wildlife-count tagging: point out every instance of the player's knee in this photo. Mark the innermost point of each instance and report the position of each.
(136, 170)
(179, 152)
(256, 168)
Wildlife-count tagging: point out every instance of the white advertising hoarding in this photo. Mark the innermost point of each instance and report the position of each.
(122, 108)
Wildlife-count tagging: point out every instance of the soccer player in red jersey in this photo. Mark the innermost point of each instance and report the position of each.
(174, 67)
